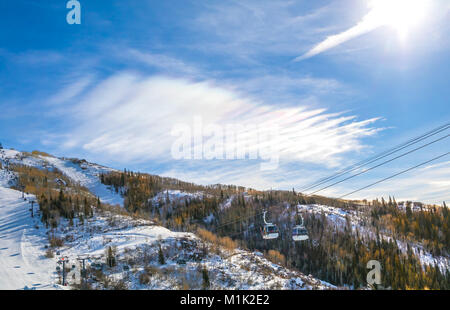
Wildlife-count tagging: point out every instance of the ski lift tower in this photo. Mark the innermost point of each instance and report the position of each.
(63, 261)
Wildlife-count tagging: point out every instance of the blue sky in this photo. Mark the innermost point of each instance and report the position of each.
(346, 79)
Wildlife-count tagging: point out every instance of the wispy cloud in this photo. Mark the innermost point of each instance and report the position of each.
(163, 62)
(33, 57)
(397, 13)
(73, 88)
(247, 30)
(362, 27)
(129, 116)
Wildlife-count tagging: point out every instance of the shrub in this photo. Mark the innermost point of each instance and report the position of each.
(150, 270)
(56, 242)
(144, 278)
(39, 153)
(226, 242)
(119, 285)
(276, 257)
(49, 254)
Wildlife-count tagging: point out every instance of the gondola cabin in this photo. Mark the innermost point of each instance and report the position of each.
(299, 233)
(270, 231)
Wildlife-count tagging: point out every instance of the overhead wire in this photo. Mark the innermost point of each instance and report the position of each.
(397, 174)
(378, 156)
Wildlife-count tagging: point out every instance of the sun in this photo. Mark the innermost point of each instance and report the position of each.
(402, 15)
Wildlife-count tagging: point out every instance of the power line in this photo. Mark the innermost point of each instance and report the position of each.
(381, 164)
(379, 156)
(397, 174)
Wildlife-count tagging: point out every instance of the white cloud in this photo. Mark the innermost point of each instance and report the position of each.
(246, 29)
(163, 62)
(129, 117)
(402, 15)
(73, 88)
(332, 41)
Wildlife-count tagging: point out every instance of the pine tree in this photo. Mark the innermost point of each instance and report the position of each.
(110, 257)
(205, 277)
(161, 258)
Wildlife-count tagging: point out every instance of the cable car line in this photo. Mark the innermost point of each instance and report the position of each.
(239, 219)
(381, 164)
(379, 156)
(397, 174)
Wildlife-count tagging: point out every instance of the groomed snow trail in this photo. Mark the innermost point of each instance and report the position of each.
(88, 177)
(22, 260)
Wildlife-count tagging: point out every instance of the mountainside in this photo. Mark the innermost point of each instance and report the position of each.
(122, 250)
(141, 231)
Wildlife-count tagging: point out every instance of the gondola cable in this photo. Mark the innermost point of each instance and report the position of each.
(381, 164)
(379, 156)
(397, 174)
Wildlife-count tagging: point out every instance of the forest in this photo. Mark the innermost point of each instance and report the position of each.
(335, 254)
(232, 216)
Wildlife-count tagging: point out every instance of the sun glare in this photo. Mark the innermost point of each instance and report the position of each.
(402, 15)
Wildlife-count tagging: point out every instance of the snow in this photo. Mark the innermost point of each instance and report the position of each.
(227, 203)
(338, 217)
(315, 208)
(83, 173)
(22, 261)
(425, 257)
(118, 231)
(135, 239)
(175, 196)
(87, 175)
(7, 178)
(23, 264)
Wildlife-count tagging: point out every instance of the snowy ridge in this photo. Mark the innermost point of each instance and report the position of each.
(80, 172)
(87, 175)
(175, 196)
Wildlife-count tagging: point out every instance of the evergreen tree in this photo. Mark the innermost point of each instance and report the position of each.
(206, 284)
(161, 258)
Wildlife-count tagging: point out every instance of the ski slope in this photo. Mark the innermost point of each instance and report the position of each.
(22, 261)
(84, 173)
(87, 175)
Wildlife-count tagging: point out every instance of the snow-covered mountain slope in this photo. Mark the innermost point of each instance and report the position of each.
(22, 255)
(87, 175)
(80, 172)
(25, 262)
(175, 196)
(136, 243)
